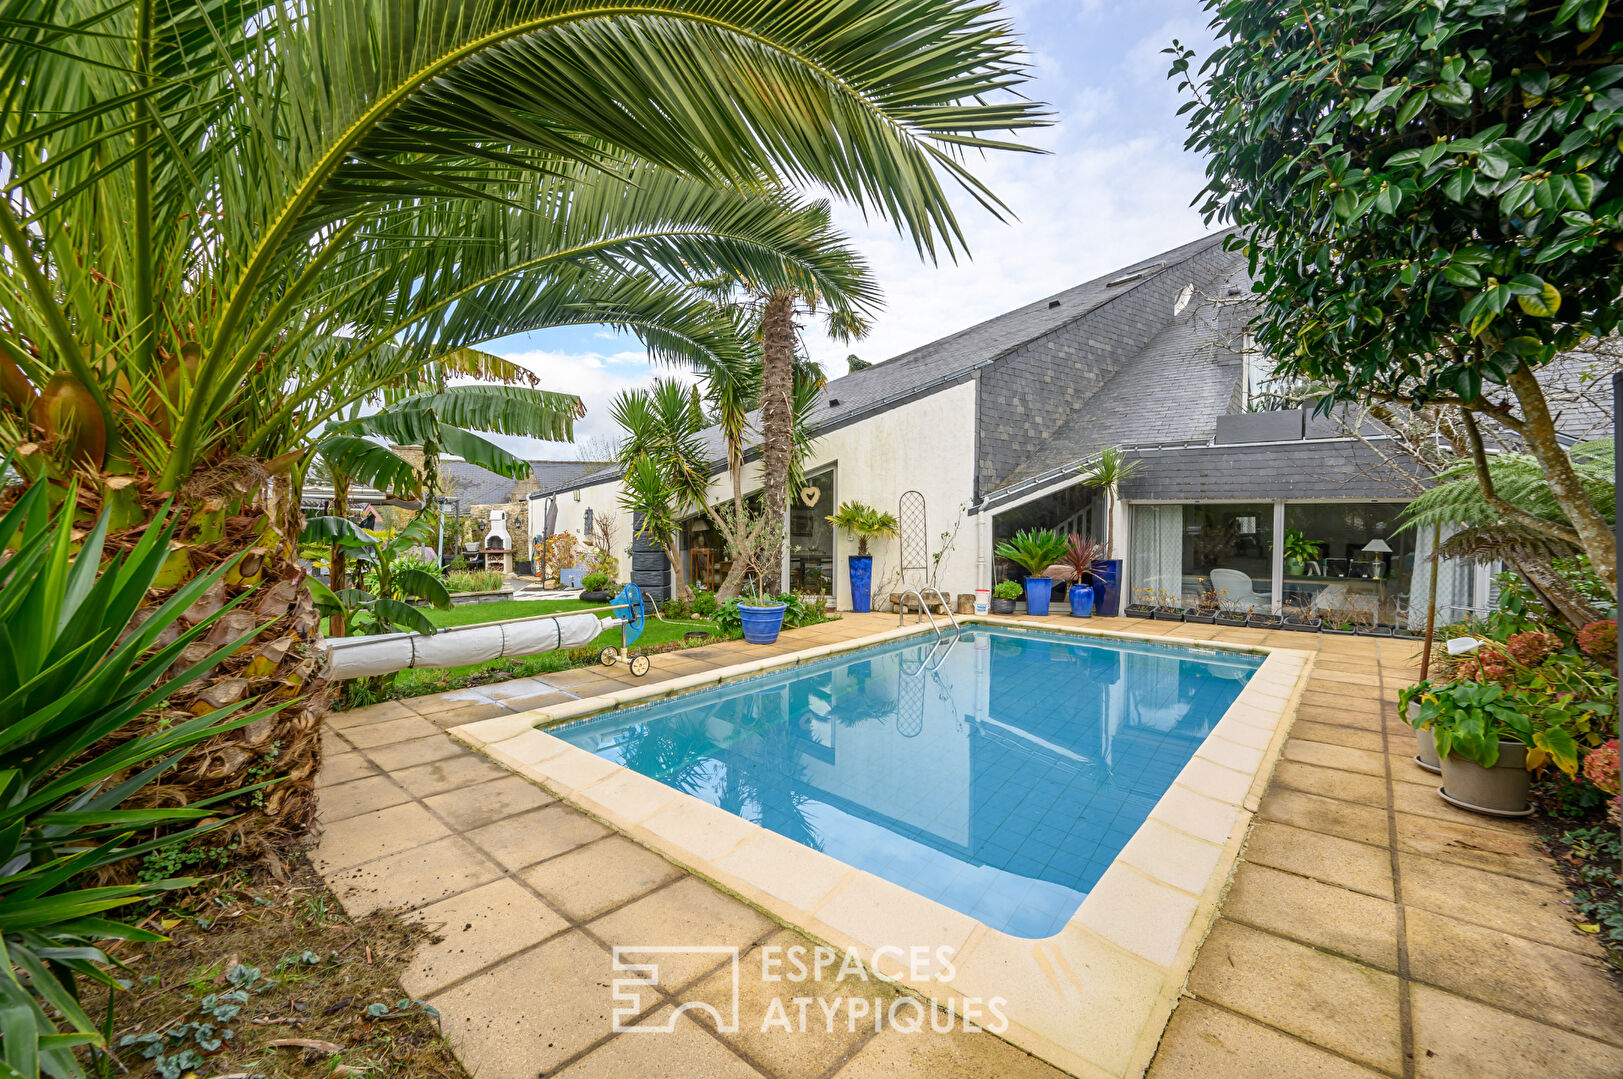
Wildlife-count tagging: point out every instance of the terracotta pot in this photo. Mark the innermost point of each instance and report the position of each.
(1500, 791)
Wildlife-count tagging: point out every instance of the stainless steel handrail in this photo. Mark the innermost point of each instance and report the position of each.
(924, 608)
(946, 606)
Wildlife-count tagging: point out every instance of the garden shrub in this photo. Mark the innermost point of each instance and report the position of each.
(704, 604)
(596, 581)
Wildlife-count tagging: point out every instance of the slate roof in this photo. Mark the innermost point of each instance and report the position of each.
(951, 358)
(475, 486)
(1171, 391)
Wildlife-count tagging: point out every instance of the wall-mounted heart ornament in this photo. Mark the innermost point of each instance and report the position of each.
(810, 495)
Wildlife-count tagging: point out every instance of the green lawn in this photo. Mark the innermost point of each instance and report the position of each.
(420, 682)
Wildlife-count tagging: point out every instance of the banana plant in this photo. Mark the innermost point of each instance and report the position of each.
(85, 730)
(390, 570)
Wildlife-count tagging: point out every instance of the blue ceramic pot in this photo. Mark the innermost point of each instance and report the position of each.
(762, 624)
(1107, 586)
(861, 566)
(1081, 597)
(1038, 590)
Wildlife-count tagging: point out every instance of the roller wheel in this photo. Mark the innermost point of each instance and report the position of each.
(608, 656)
(639, 665)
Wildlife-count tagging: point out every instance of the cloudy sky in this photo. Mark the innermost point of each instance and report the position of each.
(1113, 188)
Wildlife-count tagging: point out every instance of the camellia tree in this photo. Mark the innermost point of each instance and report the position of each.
(1430, 194)
(223, 224)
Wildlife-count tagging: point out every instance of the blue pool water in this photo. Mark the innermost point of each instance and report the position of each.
(1000, 778)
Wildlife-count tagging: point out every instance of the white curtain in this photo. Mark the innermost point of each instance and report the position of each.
(1453, 583)
(1157, 554)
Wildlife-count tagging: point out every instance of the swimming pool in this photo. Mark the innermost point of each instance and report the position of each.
(999, 777)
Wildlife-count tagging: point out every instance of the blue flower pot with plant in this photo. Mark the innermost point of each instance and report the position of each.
(863, 522)
(762, 620)
(1039, 590)
(1034, 550)
(1082, 555)
(861, 566)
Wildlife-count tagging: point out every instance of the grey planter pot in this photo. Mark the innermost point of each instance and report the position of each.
(1425, 743)
(1500, 791)
(1002, 606)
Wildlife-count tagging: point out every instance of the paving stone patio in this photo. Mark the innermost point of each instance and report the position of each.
(1370, 929)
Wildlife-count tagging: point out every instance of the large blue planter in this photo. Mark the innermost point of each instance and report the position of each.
(861, 566)
(1107, 586)
(1038, 590)
(1081, 597)
(762, 624)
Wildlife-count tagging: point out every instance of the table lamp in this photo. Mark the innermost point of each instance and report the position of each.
(1378, 546)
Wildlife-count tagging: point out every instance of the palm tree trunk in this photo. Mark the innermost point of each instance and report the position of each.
(679, 578)
(1538, 428)
(777, 416)
(276, 666)
(735, 532)
(337, 561)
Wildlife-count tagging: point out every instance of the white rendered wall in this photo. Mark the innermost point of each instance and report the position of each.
(926, 445)
(603, 500)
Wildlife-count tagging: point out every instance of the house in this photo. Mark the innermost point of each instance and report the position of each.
(469, 491)
(992, 429)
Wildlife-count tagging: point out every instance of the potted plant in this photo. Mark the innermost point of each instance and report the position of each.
(596, 587)
(1108, 472)
(1264, 620)
(1143, 605)
(1166, 610)
(1034, 550)
(865, 523)
(1299, 616)
(1299, 550)
(1229, 612)
(1082, 553)
(1003, 597)
(1204, 609)
(1490, 737)
(761, 616)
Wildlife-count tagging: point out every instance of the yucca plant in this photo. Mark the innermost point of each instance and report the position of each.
(85, 727)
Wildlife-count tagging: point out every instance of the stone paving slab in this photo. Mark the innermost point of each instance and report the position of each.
(1370, 929)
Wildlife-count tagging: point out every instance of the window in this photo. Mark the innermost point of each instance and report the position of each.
(1347, 563)
(1204, 555)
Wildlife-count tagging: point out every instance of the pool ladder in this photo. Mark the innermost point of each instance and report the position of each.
(924, 608)
(932, 661)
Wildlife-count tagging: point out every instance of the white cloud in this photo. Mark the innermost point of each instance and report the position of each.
(595, 378)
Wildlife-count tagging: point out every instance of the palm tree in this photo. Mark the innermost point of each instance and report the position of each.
(1107, 472)
(225, 224)
(663, 460)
